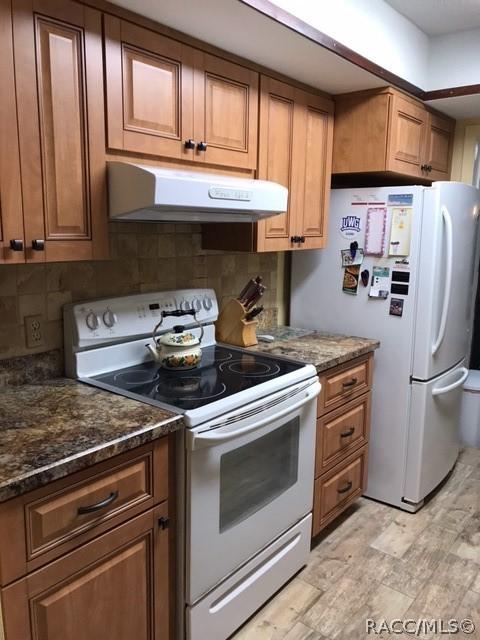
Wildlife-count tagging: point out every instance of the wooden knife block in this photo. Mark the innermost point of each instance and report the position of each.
(232, 328)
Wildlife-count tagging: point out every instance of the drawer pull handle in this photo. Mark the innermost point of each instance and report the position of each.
(346, 488)
(99, 505)
(350, 383)
(347, 433)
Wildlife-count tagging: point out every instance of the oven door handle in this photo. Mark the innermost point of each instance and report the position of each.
(214, 437)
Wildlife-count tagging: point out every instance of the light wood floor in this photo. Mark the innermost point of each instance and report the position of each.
(382, 563)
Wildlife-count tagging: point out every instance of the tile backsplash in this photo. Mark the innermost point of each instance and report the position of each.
(144, 257)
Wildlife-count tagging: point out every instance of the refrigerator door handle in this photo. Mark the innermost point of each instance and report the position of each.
(439, 391)
(447, 221)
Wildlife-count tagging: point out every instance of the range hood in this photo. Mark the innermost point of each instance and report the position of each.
(154, 194)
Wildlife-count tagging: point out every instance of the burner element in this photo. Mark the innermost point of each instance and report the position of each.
(136, 377)
(221, 354)
(251, 367)
(188, 388)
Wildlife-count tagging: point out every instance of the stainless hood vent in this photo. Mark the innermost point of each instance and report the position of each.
(154, 194)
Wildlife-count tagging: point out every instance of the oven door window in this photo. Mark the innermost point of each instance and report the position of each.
(253, 475)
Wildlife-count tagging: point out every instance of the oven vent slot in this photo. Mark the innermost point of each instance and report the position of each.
(268, 405)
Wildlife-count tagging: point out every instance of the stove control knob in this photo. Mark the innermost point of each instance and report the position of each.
(185, 305)
(197, 305)
(92, 321)
(207, 304)
(109, 318)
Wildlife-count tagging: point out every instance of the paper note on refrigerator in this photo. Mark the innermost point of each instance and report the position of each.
(375, 231)
(400, 232)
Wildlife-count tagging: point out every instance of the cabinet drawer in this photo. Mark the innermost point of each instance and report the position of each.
(81, 506)
(345, 382)
(338, 488)
(340, 432)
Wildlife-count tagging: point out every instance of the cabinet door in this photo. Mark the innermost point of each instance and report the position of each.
(275, 158)
(405, 148)
(11, 214)
(312, 170)
(59, 73)
(438, 146)
(113, 588)
(226, 112)
(149, 82)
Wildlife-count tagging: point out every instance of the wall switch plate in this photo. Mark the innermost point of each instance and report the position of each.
(34, 331)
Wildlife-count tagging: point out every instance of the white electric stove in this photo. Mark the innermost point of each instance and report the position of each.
(247, 466)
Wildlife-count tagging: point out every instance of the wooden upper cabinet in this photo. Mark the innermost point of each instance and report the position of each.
(167, 99)
(384, 130)
(312, 187)
(114, 588)
(438, 144)
(408, 126)
(11, 214)
(58, 54)
(149, 86)
(225, 112)
(276, 156)
(295, 149)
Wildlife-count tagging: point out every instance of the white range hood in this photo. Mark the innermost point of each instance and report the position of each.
(154, 194)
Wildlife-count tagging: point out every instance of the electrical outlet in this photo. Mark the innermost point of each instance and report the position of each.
(34, 331)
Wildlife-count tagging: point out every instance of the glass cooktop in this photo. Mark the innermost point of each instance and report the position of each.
(222, 372)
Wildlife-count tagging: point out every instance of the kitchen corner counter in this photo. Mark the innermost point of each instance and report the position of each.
(324, 350)
(51, 429)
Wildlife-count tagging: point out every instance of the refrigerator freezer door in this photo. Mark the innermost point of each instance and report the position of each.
(433, 432)
(446, 278)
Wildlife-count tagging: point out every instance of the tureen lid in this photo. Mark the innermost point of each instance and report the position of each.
(179, 338)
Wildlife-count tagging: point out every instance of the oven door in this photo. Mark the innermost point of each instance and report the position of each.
(249, 478)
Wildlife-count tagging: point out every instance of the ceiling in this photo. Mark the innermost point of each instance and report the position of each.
(241, 30)
(459, 107)
(437, 17)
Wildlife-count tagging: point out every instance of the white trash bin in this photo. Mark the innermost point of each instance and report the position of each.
(470, 412)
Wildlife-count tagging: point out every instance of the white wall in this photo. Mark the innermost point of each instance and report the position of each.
(371, 28)
(375, 30)
(454, 60)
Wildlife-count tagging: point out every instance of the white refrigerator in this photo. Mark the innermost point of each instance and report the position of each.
(421, 245)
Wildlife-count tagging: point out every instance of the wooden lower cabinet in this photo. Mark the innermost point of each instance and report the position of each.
(343, 431)
(114, 588)
(109, 578)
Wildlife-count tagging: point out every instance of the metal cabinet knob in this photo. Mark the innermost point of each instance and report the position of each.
(202, 146)
(295, 239)
(190, 144)
(38, 245)
(302, 239)
(16, 245)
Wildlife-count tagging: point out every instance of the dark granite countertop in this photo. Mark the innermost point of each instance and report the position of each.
(324, 350)
(55, 427)
(51, 429)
